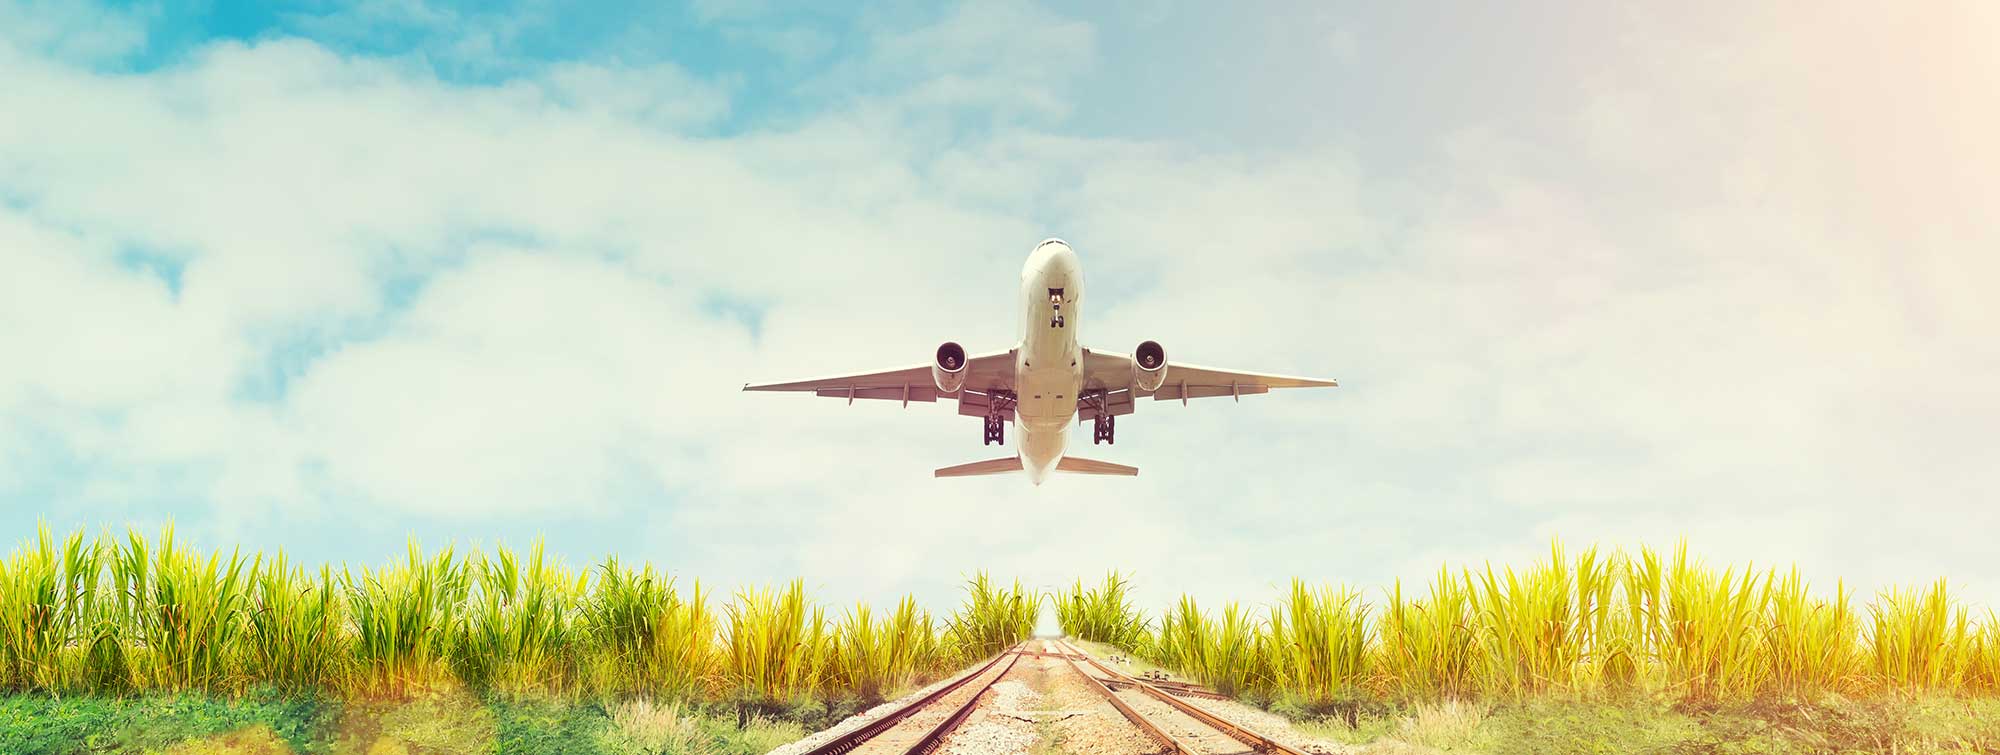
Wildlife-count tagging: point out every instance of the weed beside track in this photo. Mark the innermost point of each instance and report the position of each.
(121, 616)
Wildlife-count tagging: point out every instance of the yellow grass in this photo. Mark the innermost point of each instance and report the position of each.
(1591, 624)
(133, 614)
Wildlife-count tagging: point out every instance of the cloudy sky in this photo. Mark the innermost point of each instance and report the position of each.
(327, 277)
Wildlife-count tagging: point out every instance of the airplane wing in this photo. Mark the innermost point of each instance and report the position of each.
(984, 372)
(1112, 373)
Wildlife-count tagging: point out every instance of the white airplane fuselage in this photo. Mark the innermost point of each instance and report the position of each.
(1048, 366)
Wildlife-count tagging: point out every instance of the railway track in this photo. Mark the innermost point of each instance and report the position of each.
(1177, 725)
(919, 727)
(1172, 725)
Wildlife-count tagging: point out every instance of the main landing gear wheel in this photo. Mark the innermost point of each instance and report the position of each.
(1104, 430)
(996, 430)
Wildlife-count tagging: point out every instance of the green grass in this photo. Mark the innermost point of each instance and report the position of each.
(1104, 614)
(132, 615)
(648, 637)
(993, 618)
(34, 724)
(449, 647)
(1591, 626)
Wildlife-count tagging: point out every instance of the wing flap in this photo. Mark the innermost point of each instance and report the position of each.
(1177, 391)
(1112, 374)
(926, 393)
(1077, 465)
(978, 468)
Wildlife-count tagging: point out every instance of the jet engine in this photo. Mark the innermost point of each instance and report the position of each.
(1149, 366)
(948, 368)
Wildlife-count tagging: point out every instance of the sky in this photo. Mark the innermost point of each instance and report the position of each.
(329, 277)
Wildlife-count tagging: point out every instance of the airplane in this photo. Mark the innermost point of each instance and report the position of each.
(1045, 380)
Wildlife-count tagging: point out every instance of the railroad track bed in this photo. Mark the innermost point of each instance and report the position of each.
(1048, 696)
(1203, 724)
(893, 721)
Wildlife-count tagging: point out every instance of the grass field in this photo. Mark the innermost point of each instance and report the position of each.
(1590, 627)
(132, 615)
(137, 645)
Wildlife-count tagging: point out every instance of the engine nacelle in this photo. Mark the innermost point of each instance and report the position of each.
(948, 368)
(1149, 366)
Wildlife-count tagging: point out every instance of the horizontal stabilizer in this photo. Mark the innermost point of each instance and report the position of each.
(974, 469)
(1093, 466)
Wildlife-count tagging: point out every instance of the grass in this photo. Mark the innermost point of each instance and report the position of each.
(132, 615)
(1103, 614)
(648, 638)
(1932, 724)
(1590, 626)
(187, 724)
(131, 644)
(992, 619)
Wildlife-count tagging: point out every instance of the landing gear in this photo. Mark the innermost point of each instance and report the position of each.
(1105, 429)
(1055, 302)
(1000, 406)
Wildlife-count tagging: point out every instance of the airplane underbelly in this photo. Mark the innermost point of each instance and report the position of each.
(1047, 397)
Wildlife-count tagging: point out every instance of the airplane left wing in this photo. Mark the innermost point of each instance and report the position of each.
(984, 372)
(1112, 374)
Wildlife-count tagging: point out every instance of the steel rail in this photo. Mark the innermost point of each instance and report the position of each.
(1146, 726)
(847, 742)
(1253, 739)
(937, 734)
(1046, 654)
(1183, 690)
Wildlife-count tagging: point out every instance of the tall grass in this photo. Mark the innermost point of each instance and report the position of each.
(877, 656)
(519, 633)
(1921, 640)
(1429, 646)
(185, 611)
(1591, 624)
(1810, 643)
(49, 599)
(1706, 630)
(1316, 643)
(133, 614)
(779, 643)
(992, 618)
(293, 624)
(403, 618)
(1104, 614)
(1982, 670)
(648, 638)
(1220, 653)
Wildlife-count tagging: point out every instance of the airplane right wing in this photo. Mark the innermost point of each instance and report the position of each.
(1112, 374)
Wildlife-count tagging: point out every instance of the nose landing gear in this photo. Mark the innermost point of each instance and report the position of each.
(1055, 302)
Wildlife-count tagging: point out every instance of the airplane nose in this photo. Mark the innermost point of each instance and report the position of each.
(1050, 256)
